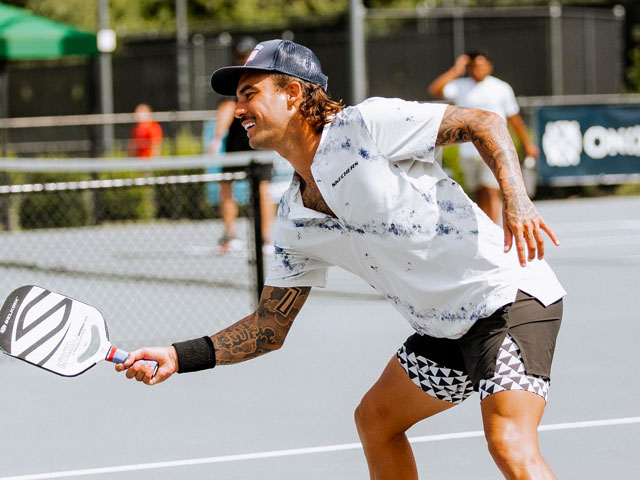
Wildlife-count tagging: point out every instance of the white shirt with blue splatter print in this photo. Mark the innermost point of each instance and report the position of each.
(402, 224)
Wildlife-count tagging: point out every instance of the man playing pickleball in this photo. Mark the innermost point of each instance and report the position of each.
(369, 196)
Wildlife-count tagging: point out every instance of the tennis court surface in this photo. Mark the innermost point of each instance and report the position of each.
(289, 415)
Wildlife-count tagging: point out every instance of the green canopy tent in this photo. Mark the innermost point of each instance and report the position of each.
(26, 36)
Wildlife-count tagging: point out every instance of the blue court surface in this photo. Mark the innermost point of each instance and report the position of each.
(289, 415)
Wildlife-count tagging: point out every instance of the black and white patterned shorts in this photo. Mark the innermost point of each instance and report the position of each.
(455, 386)
(512, 349)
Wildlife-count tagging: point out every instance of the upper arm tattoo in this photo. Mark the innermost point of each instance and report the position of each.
(453, 127)
(265, 329)
(489, 134)
(286, 304)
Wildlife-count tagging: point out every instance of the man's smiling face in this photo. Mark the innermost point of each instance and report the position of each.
(263, 109)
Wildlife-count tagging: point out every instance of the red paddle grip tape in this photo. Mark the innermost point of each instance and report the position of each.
(111, 353)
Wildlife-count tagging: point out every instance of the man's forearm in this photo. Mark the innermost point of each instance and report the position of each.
(244, 340)
(491, 138)
(490, 135)
(264, 330)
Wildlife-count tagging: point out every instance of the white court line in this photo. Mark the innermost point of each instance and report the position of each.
(300, 451)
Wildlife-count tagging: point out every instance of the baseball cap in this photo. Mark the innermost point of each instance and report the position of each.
(283, 56)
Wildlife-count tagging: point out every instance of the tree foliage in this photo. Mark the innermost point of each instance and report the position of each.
(153, 16)
(633, 72)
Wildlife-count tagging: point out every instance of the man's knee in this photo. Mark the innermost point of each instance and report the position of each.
(510, 446)
(372, 417)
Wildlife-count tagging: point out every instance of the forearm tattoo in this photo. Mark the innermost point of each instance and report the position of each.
(490, 135)
(262, 331)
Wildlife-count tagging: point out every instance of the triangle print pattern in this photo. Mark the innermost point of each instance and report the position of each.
(442, 383)
(510, 374)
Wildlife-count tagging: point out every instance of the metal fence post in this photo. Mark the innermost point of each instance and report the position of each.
(555, 47)
(106, 81)
(182, 60)
(255, 170)
(357, 51)
(458, 32)
(4, 138)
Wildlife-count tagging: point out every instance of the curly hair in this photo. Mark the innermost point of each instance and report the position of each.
(317, 108)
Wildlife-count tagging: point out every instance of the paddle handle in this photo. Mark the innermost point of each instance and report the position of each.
(117, 355)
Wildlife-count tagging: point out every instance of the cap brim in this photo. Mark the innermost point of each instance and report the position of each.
(225, 80)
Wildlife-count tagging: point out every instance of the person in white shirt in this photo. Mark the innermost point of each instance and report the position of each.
(369, 196)
(479, 89)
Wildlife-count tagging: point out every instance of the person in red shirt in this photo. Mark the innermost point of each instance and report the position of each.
(145, 140)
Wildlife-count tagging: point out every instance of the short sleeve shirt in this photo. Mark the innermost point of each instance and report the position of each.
(144, 137)
(402, 224)
(491, 94)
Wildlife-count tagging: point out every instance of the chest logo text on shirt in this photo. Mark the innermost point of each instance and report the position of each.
(344, 174)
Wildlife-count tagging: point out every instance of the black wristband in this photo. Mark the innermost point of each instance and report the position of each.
(195, 355)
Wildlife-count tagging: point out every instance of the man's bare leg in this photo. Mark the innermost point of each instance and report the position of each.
(511, 420)
(387, 410)
(228, 208)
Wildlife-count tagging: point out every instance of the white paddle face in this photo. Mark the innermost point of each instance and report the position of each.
(52, 331)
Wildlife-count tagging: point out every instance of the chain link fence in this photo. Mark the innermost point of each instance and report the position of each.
(141, 246)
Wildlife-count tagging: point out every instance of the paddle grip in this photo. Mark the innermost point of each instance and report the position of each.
(117, 355)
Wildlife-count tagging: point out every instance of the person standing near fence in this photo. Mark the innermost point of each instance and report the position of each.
(145, 140)
(229, 136)
(481, 90)
(368, 195)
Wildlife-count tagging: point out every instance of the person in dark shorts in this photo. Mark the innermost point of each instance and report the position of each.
(369, 195)
(236, 141)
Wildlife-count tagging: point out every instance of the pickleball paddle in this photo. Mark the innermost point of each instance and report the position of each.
(56, 332)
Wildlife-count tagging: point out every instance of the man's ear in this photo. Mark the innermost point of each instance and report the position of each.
(294, 92)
